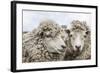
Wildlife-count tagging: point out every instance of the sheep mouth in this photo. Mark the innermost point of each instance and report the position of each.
(76, 53)
(60, 51)
(72, 53)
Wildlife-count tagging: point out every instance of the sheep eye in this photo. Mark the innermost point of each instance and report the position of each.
(48, 36)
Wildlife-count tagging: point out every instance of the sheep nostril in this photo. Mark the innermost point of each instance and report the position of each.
(78, 47)
(63, 46)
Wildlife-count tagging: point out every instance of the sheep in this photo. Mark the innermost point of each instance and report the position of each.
(45, 43)
(79, 41)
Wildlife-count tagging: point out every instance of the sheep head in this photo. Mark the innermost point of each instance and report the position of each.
(77, 35)
(53, 36)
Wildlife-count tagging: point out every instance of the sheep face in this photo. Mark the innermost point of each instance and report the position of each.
(54, 41)
(53, 37)
(77, 39)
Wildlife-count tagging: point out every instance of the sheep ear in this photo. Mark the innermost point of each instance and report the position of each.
(41, 34)
(87, 32)
(68, 31)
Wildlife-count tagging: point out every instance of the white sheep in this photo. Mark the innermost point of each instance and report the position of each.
(45, 43)
(79, 41)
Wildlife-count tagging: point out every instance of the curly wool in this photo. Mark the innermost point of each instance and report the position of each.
(34, 48)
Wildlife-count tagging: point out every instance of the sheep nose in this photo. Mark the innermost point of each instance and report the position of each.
(78, 47)
(63, 46)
